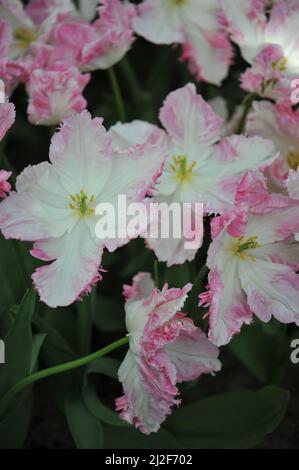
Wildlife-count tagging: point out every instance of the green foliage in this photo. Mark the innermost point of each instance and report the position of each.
(265, 355)
(237, 420)
(21, 355)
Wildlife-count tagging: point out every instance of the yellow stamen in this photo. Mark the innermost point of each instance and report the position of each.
(23, 37)
(281, 65)
(293, 159)
(82, 203)
(243, 245)
(179, 2)
(181, 169)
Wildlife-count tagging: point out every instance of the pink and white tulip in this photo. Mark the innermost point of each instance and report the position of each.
(55, 94)
(5, 186)
(280, 124)
(202, 167)
(268, 43)
(253, 261)
(54, 203)
(99, 45)
(196, 25)
(166, 348)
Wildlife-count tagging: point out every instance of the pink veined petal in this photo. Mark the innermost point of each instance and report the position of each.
(167, 304)
(76, 262)
(129, 134)
(228, 309)
(80, 153)
(147, 160)
(5, 38)
(234, 155)
(55, 95)
(149, 391)
(293, 188)
(209, 54)
(234, 222)
(195, 127)
(272, 290)
(13, 12)
(274, 217)
(40, 11)
(193, 355)
(39, 209)
(114, 35)
(141, 288)
(283, 252)
(7, 118)
(159, 22)
(246, 22)
(293, 184)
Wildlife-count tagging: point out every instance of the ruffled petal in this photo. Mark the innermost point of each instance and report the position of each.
(209, 53)
(39, 209)
(149, 391)
(229, 310)
(159, 22)
(193, 355)
(191, 123)
(126, 135)
(272, 290)
(76, 262)
(7, 117)
(79, 153)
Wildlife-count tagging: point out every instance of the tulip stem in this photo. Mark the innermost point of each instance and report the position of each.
(246, 109)
(60, 369)
(117, 95)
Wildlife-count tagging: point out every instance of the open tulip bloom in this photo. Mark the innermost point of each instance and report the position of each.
(210, 149)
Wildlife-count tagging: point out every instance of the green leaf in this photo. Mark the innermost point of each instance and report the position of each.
(18, 345)
(110, 315)
(55, 349)
(177, 276)
(109, 368)
(139, 261)
(13, 283)
(238, 420)
(14, 428)
(38, 341)
(87, 431)
(265, 355)
(117, 438)
(18, 355)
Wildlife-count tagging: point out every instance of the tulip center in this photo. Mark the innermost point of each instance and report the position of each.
(280, 65)
(179, 2)
(243, 245)
(24, 37)
(181, 169)
(81, 203)
(293, 159)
